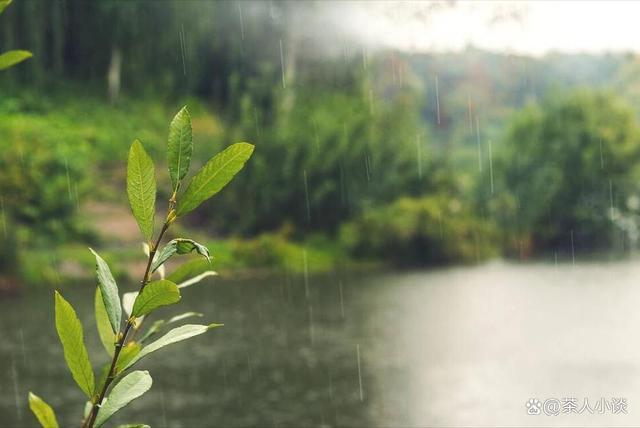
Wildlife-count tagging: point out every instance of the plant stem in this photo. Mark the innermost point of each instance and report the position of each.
(90, 421)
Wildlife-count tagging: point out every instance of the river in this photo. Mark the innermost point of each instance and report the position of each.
(447, 347)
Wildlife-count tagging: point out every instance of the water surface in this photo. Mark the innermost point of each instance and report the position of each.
(450, 347)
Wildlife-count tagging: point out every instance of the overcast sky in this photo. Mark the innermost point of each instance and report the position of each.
(524, 27)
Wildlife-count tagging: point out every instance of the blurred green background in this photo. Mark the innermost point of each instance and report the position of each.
(364, 156)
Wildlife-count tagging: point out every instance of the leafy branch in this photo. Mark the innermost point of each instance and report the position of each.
(11, 58)
(115, 388)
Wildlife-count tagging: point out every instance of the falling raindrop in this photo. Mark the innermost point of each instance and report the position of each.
(77, 198)
(393, 69)
(317, 136)
(163, 406)
(491, 166)
(341, 299)
(330, 386)
(311, 332)
(366, 167)
(364, 58)
(371, 101)
(3, 217)
(284, 84)
(359, 373)
(183, 50)
(601, 155)
(344, 51)
(306, 194)
(255, 117)
(306, 273)
(241, 19)
(419, 155)
(573, 252)
(23, 348)
(470, 115)
(16, 389)
(437, 101)
(612, 212)
(66, 168)
(478, 144)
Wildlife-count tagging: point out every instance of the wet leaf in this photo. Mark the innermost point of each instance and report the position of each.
(107, 336)
(155, 294)
(11, 58)
(128, 353)
(179, 246)
(180, 147)
(75, 352)
(178, 334)
(141, 188)
(128, 389)
(214, 175)
(43, 412)
(109, 290)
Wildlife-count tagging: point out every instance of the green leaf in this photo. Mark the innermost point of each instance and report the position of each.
(128, 389)
(134, 426)
(75, 352)
(43, 412)
(214, 175)
(109, 290)
(180, 147)
(183, 316)
(107, 335)
(141, 188)
(188, 270)
(87, 409)
(157, 326)
(178, 334)
(4, 4)
(128, 299)
(10, 58)
(180, 246)
(197, 279)
(155, 294)
(128, 353)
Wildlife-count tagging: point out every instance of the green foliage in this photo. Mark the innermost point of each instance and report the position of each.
(563, 167)
(11, 58)
(132, 386)
(141, 188)
(138, 305)
(325, 158)
(155, 294)
(106, 333)
(72, 339)
(180, 147)
(213, 176)
(109, 291)
(175, 335)
(157, 326)
(4, 4)
(42, 411)
(420, 231)
(179, 246)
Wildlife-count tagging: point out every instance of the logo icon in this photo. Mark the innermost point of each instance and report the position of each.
(533, 406)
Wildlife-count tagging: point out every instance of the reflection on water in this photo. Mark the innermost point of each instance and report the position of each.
(463, 346)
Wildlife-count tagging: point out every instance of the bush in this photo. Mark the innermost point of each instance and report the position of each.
(419, 231)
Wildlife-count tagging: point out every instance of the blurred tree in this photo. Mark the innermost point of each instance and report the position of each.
(565, 171)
